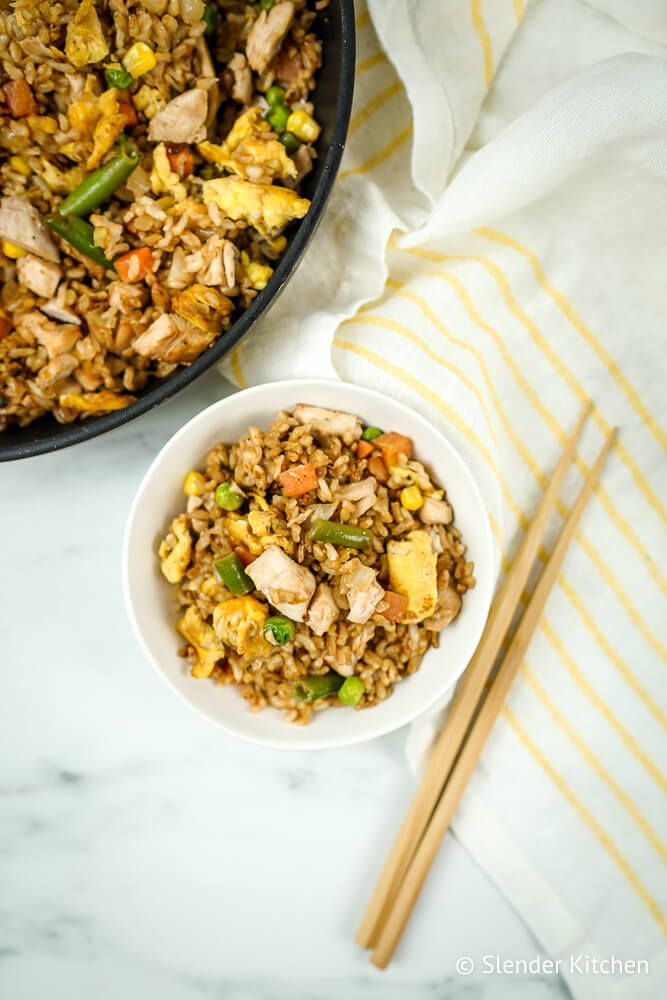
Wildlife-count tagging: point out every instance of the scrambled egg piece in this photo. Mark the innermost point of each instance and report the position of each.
(84, 112)
(108, 127)
(60, 181)
(247, 122)
(257, 150)
(266, 207)
(175, 550)
(85, 42)
(204, 307)
(95, 402)
(250, 143)
(258, 274)
(203, 639)
(149, 100)
(412, 573)
(164, 180)
(238, 622)
(255, 531)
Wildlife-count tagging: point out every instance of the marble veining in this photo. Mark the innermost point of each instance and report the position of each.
(143, 854)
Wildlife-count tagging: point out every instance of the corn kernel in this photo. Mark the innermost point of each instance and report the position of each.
(12, 251)
(194, 484)
(303, 126)
(20, 165)
(43, 123)
(411, 498)
(139, 59)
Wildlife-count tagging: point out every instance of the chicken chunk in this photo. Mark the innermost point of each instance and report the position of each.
(267, 35)
(362, 493)
(171, 339)
(238, 623)
(435, 511)
(56, 370)
(41, 276)
(55, 309)
(323, 610)
(286, 585)
(175, 550)
(203, 640)
(324, 421)
(266, 207)
(55, 337)
(449, 605)
(22, 225)
(242, 86)
(412, 572)
(363, 592)
(182, 120)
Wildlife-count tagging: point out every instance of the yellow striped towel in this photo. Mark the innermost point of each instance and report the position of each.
(494, 253)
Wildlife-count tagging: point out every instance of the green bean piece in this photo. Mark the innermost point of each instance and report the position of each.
(309, 689)
(371, 433)
(230, 571)
(351, 691)
(210, 19)
(227, 498)
(99, 186)
(347, 535)
(277, 117)
(118, 78)
(279, 628)
(275, 95)
(79, 234)
(267, 4)
(290, 142)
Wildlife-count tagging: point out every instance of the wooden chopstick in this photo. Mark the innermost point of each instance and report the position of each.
(391, 931)
(464, 703)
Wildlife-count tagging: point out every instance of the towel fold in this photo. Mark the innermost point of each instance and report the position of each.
(493, 254)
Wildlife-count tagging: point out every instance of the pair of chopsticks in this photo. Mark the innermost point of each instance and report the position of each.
(473, 711)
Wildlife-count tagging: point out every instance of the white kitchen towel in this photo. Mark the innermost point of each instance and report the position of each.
(493, 254)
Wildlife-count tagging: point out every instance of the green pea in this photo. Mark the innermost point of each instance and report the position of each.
(210, 19)
(266, 4)
(275, 95)
(281, 629)
(227, 498)
(371, 433)
(290, 142)
(351, 691)
(277, 117)
(118, 78)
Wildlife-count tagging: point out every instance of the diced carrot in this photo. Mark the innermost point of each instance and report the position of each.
(298, 480)
(244, 554)
(364, 449)
(181, 160)
(129, 113)
(20, 98)
(392, 445)
(135, 264)
(5, 326)
(377, 468)
(395, 606)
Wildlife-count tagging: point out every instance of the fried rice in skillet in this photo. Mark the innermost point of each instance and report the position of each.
(151, 153)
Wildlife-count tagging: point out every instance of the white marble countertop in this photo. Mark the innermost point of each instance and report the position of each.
(144, 854)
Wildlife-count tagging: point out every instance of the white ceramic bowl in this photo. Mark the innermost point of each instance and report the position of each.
(150, 602)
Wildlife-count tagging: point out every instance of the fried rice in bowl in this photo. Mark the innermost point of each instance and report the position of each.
(308, 564)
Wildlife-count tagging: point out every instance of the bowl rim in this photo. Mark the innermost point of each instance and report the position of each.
(311, 741)
(85, 430)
